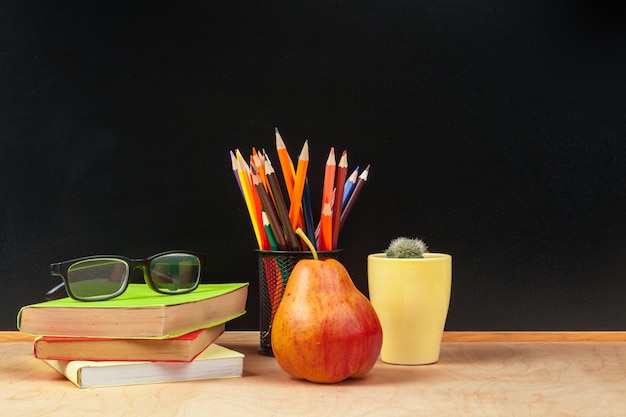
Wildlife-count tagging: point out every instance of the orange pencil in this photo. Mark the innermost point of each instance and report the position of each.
(340, 182)
(261, 169)
(329, 178)
(329, 175)
(298, 186)
(319, 224)
(286, 165)
(258, 211)
(326, 226)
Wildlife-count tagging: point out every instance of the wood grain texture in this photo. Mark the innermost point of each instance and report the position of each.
(496, 378)
(456, 336)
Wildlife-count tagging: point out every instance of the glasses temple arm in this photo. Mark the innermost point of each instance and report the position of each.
(55, 292)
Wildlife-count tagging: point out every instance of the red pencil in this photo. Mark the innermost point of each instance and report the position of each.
(340, 182)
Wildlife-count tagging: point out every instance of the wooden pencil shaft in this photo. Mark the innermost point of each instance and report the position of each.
(355, 194)
(292, 241)
(243, 172)
(286, 165)
(308, 213)
(340, 181)
(298, 187)
(270, 211)
(326, 235)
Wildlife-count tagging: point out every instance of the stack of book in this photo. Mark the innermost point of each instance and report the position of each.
(138, 337)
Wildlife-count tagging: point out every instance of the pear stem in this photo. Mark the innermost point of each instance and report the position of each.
(304, 237)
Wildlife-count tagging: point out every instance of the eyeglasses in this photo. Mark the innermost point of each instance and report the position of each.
(97, 278)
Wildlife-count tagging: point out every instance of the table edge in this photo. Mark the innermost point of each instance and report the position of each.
(450, 336)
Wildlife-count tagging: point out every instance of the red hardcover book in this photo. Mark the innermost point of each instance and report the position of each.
(178, 349)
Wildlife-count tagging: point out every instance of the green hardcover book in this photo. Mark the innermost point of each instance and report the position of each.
(138, 312)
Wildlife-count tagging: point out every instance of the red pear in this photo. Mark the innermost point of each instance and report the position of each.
(325, 330)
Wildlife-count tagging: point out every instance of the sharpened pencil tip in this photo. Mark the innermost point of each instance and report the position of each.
(343, 162)
(331, 157)
(280, 144)
(365, 173)
(304, 154)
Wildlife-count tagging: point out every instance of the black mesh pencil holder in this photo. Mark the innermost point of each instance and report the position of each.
(274, 270)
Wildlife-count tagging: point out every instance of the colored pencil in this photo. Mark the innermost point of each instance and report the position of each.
(350, 182)
(298, 186)
(261, 169)
(355, 194)
(258, 211)
(269, 232)
(286, 165)
(274, 218)
(326, 233)
(283, 214)
(233, 163)
(340, 182)
(327, 193)
(255, 161)
(329, 176)
(266, 161)
(244, 177)
(258, 206)
(308, 214)
(270, 212)
(319, 224)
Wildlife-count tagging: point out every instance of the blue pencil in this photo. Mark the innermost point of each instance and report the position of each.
(349, 187)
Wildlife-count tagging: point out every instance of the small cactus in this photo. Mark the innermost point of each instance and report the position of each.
(404, 247)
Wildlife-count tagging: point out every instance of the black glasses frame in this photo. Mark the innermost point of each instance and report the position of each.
(61, 268)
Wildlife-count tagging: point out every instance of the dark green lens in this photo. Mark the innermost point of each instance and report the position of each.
(97, 278)
(175, 272)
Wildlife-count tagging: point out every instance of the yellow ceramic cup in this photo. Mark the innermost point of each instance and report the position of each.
(411, 298)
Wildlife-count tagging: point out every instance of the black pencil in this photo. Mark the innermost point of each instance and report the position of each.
(355, 194)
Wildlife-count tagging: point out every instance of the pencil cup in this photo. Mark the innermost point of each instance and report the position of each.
(274, 270)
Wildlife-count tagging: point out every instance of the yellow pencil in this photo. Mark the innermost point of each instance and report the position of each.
(244, 178)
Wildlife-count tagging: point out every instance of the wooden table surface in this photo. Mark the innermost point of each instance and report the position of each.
(479, 374)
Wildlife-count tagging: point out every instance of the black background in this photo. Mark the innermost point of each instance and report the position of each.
(495, 131)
